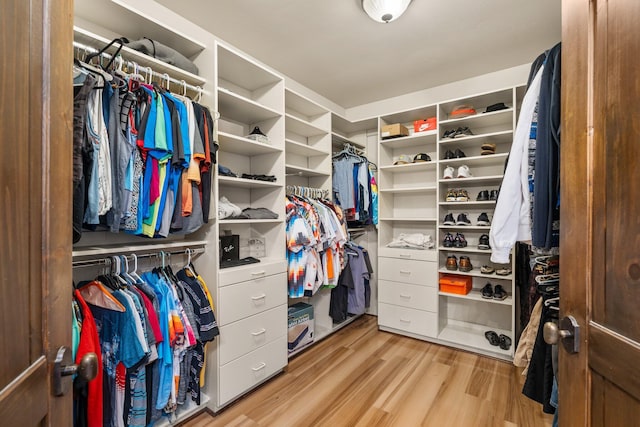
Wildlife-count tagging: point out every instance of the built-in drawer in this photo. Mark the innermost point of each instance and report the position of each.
(423, 273)
(229, 276)
(242, 374)
(248, 298)
(246, 335)
(406, 295)
(418, 322)
(415, 254)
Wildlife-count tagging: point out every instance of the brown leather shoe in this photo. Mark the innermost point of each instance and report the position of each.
(465, 264)
(452, 262)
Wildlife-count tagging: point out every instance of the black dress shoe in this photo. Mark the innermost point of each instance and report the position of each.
(483, 196)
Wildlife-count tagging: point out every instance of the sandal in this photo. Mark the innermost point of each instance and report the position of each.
(505, 341)
(493, 338)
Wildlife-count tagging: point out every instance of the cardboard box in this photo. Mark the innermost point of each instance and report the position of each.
(454, 284)
(425, 125)
(393, 131)
(230, 247)
(300, 326)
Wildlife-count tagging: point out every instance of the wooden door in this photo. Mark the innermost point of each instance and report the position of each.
(600, 243)
(35, 207)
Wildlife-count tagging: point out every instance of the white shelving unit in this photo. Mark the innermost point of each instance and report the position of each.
(252, 299)
(413, 199)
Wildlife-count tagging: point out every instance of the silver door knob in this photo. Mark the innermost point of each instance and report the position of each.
(553, 334)
(566, 333)
(87, 369)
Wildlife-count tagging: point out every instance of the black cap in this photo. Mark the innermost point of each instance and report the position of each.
(496, 107)
(421, 157)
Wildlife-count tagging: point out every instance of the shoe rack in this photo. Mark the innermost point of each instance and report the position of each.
(413, 198)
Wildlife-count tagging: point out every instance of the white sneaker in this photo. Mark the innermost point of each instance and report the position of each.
(448, 172)
(464, 172)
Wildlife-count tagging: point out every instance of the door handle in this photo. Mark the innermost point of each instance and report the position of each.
(87, 369)
(568, 333)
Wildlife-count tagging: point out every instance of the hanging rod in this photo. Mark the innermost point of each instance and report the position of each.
(136, 68)
(302, 191)
(105, 260)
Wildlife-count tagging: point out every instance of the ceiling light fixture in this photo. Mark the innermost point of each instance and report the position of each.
(385, 10)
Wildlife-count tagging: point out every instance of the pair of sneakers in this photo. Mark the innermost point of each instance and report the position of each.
(454, 195)
(462, 219)
(458, 154)
(457, 133)
(463, 172)
(491, 292)
(458, 241)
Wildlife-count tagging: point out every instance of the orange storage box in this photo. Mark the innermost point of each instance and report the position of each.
(454, 284)
(425, 125)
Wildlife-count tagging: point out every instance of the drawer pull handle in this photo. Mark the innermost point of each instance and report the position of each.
(405, 320)
(405, 256)
(260, 366)
(255, 334)
(405, 272)
(258, 273)
(405, 296)
(263, 296)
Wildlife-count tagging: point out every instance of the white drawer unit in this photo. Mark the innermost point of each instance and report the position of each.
(418, 322)
(408, 271)
(248, 298)
(414, 254)
(246, 335)
(229, 276)
(406, 295)
(251, 369)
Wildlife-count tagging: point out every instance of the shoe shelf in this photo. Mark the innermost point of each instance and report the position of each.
(469, 203)
(476, 295)
(396, 219)
(499, 137)
(244, 146)
(467, 249)
(420, 138)
(465, 227)
(486, 119)
(475, 273)
(302, 149)
(239, 108)
(489, 159)
(230, 181)
(304, 172)
(474, 179)
(471, 335)
(423, 189)
(410, 167)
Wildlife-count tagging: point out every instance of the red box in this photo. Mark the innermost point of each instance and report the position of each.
(425, 125)
(454, 284)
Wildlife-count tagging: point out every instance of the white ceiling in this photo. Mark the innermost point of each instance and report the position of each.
(333, 48)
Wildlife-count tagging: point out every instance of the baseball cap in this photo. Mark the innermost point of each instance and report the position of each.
(421, 157)
(461, 111)
(403, 159)
(496, 107)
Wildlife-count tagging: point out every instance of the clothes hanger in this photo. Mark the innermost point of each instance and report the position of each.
(96, 293)
(134, 273)
(188, 266)
(101, 52)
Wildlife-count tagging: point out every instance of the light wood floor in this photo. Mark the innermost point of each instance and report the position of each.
(364, 377)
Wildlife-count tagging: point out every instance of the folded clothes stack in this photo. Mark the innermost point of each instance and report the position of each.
(412, 241)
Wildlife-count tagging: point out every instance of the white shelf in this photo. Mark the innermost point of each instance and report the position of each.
(264, 262)
(487, 119)
(424, 189)
(303, 149)
(476, 295)
(489, 159)
(241, 109)
(323, 332)
(94, 40)
(475, 273)
(339, 140)
(408, 219)
(302, 104)
(471, 203)
(474, 179)
(302, 127)
(240, 145)
(500, 137)
(472, 335)
(410, 167)
(465, 227)
(416, 139)
(250, 221)
(240, 70)
(230, 181)
(151, 247)
(302, 171)
(468, 249)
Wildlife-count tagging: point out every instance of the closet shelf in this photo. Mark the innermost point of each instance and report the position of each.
(472, 335)
(465, 227)
(475, 273)
(302, 127)
(242, 71)
(338, 142)
(487, 119)
(240, 145)
(476, 295)
(471, 203)
(411, 167)
(241, 109)
(302, 171)
(425, 189)
(500, 137)
(485, 179)
(323, 332)
(229, 181)
(468, 249)
(304, 150)
(143, 248)
(490, 159)
(416, 139)
(90, 39)
(250, 221)
(396, 219)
